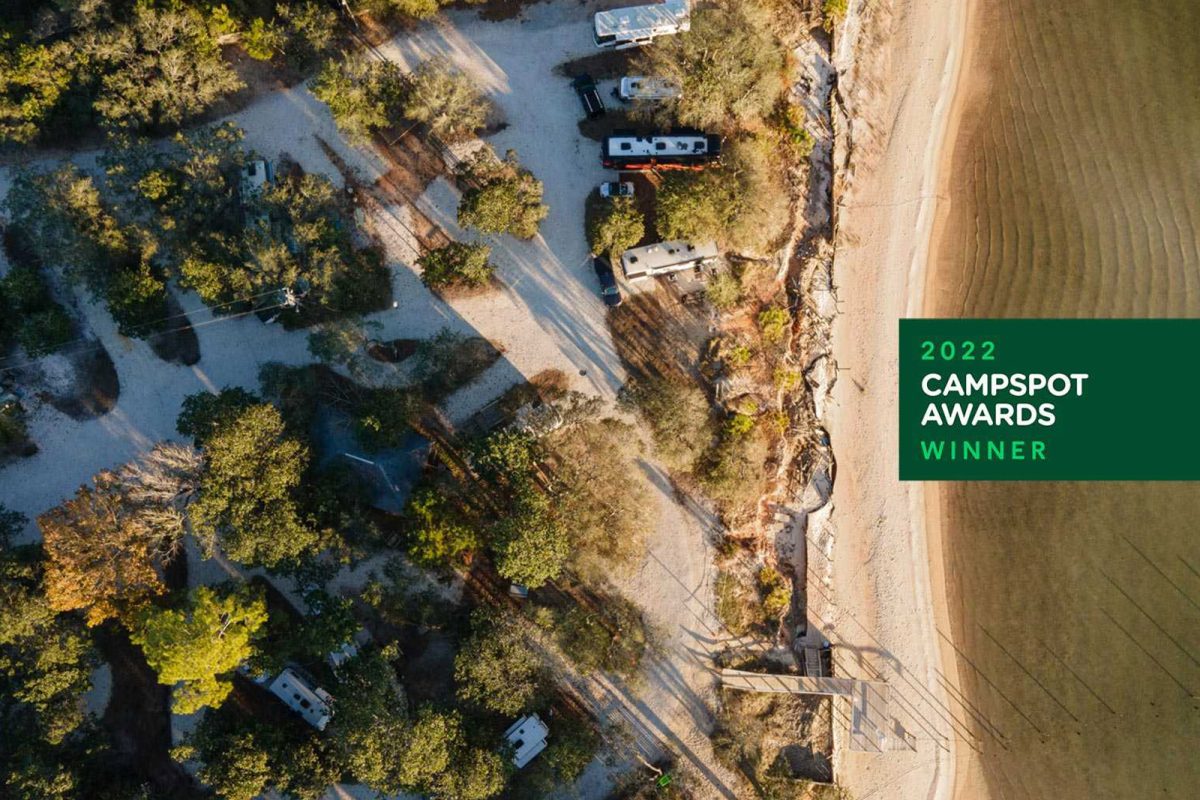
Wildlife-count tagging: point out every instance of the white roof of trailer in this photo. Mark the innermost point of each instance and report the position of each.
(671, 15)
(665, 256)
(657, 145)
(528, 738)
(312, 703)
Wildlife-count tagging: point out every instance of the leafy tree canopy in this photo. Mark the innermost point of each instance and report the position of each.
(197, 645)
(501, 196)
(496, 668)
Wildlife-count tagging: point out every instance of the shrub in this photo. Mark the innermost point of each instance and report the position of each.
(678, 415)
(742, 203)
(733, 607)
(457, 264)
(789, 122)
(359, 94)
(438, 534)
(724, 290)
(615, 226)
(834, 11)
(775, 592)
(731, 472)
(738, 425)
(786, 379)
(773, 324)
(610, 636)
(501, 196)
(203, 413)
(738, 356)
(383, 418)
(446, 100)
(43, 332)
(729, 65)
(263, 39)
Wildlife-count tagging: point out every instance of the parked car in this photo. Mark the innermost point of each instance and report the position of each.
(585, 87)
(608, 281)
(616, 189)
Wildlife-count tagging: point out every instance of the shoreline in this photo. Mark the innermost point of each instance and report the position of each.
(888, 557)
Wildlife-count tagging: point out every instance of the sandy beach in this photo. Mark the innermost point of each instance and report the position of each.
(882, 597)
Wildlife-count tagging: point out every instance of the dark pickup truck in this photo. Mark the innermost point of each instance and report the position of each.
(585, 87)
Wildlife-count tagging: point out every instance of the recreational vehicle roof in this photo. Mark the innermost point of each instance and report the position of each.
(664, 257)
(659, 146)
(528, 738)
(641, 22)
(311, 703)
(640, 87)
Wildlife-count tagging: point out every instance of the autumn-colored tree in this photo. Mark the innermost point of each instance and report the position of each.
(105, 546)
(195, 646)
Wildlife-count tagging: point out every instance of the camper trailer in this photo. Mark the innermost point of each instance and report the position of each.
(666, 257)
(640, 87)
(311, 702)
(635, 26)
(680, 150)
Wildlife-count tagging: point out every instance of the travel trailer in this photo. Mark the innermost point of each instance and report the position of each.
(635, 26)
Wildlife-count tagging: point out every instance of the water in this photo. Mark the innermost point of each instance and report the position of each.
(1074, 191)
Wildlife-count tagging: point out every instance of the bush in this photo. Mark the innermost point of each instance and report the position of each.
(729, 65)
(731, 472)
(446, 100)
(501, 196)
(383, 418)
(437, 535)
(614, 226)
(359, 93)
(457, 264)
(742, 203)
(834, 11)
(773, 323)
(733, 607)
(724, 290)
(448, 361)
(43, 332)
(775, 592)
(789, 122)
(609, 636)
(678, 415)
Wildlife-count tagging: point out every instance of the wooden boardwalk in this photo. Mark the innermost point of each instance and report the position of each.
(872, 728)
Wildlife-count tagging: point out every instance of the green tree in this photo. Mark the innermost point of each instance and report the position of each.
(437, 535)
(616, 226)
(311, 29)
(500, 195)
(370, 727)
(359, 94)
(239, 770)
(476, 774)
(197, 645)
(742, 204)
(531, 541)
(773, 323)
(446, 100)
(34, 80)
(11, 525)
(456, 264)
(384, 418)
(252, 471)
(496, 667)
(44, 332)
(204, 413)
(263, 39)
(45, 660)
(678, 414)
(160, 70)
(730, 66)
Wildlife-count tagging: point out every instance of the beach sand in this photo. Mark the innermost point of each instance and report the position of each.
(881, 599)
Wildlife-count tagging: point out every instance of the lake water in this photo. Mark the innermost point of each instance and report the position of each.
(1074, 191)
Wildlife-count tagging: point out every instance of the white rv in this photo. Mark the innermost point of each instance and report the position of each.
(312, 703)
(666, 257)
(635, 26)
(639, 87)
(527, 737)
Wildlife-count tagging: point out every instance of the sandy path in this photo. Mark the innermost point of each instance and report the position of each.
(883, 599)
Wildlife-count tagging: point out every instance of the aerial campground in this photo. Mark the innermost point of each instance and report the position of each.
(468, 399)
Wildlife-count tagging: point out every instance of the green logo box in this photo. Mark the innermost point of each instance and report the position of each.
(1049, 399)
